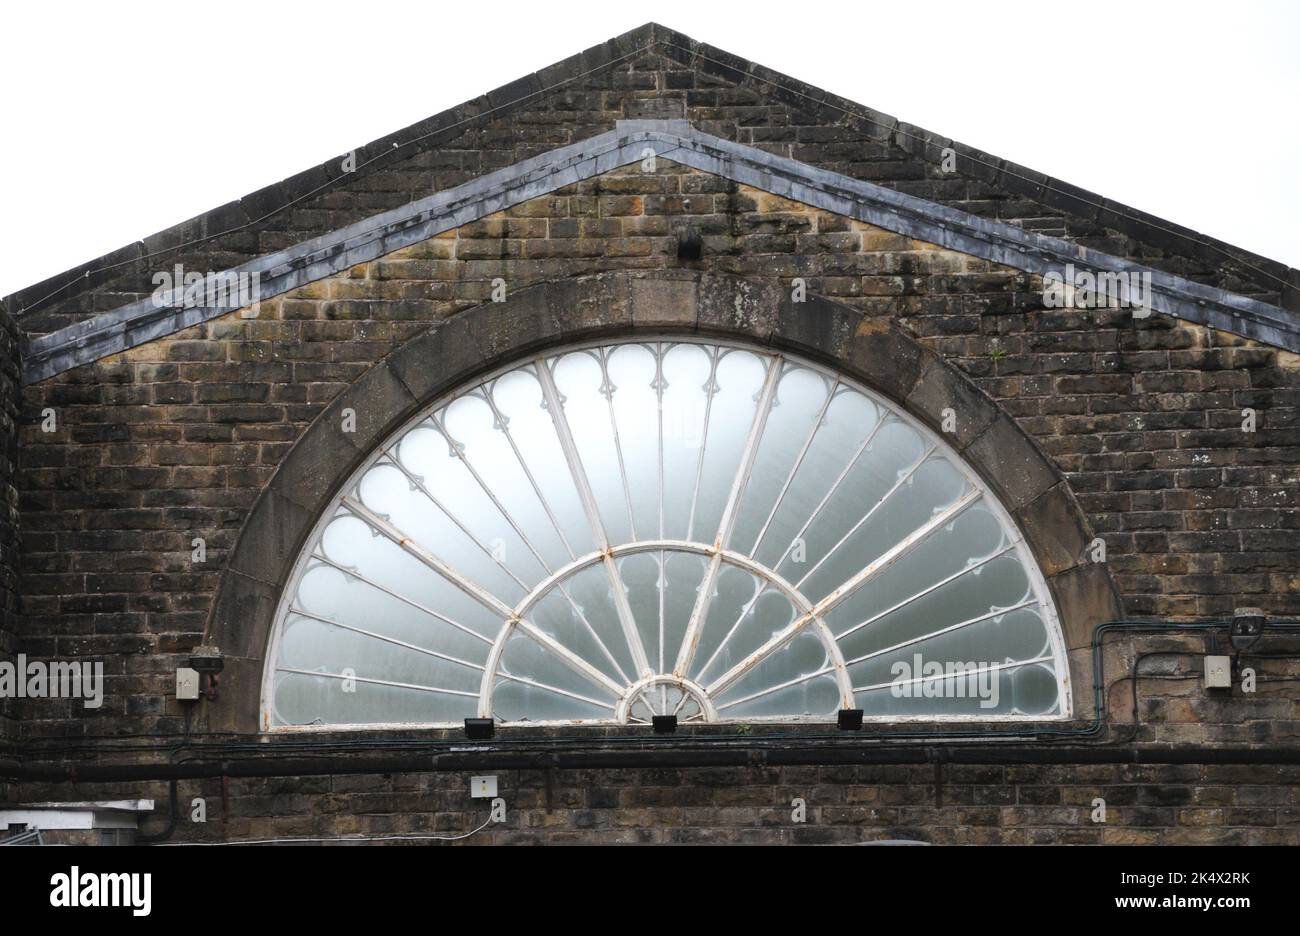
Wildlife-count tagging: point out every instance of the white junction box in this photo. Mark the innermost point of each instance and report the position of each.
(483, 787)
(187, 684)
(1218, 672)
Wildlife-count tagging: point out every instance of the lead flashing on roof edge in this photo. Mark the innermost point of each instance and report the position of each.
(316, 258)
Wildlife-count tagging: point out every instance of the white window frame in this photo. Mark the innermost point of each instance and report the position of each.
(811, 614)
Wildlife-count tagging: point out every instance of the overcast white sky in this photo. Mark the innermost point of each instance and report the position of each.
(121, 120)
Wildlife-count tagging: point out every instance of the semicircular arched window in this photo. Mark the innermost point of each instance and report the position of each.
(640, 527)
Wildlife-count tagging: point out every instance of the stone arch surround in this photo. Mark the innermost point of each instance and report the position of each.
(873, 350)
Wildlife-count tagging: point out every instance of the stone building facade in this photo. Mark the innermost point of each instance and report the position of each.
(1116, 441)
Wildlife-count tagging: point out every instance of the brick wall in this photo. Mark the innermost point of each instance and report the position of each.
(948, 804)
(10, 400)
(175, 440)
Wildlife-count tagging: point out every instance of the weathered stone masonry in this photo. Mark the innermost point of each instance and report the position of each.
(179, 437)
(9, 539)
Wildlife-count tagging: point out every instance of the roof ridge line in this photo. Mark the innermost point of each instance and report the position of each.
(1017, 179)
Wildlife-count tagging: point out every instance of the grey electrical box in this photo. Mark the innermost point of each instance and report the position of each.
(483, 787)
(187, 684)
(1218, 672)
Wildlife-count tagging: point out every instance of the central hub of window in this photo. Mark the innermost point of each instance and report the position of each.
(701, 653)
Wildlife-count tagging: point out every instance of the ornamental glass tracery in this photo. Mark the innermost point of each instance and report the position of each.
(605, 533)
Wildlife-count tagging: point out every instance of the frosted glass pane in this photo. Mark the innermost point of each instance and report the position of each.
(327, 592)
(1000, 584)
(735, 401)
(320, 700)
(581, 616)
(687, 388)
(550, 690)
(894, 449)
(1027, 691)
(633, 369)
(482, 433)
(742, 616)
(665, 699)
(971, 538)
(800, 397)
(348, 542)
(685, 575)
(387, 492)
(936, 484)
(1034, 690)
(308, 644)
(848, 423)
(804, 656)
(582, 384)
(662, 607)
(1011, 637)
(828, 477)
(518, 397)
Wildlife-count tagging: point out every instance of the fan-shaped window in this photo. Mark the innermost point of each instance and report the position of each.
(606, 533)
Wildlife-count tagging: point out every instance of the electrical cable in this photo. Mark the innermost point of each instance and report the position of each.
(339, 839)
(166, 832)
